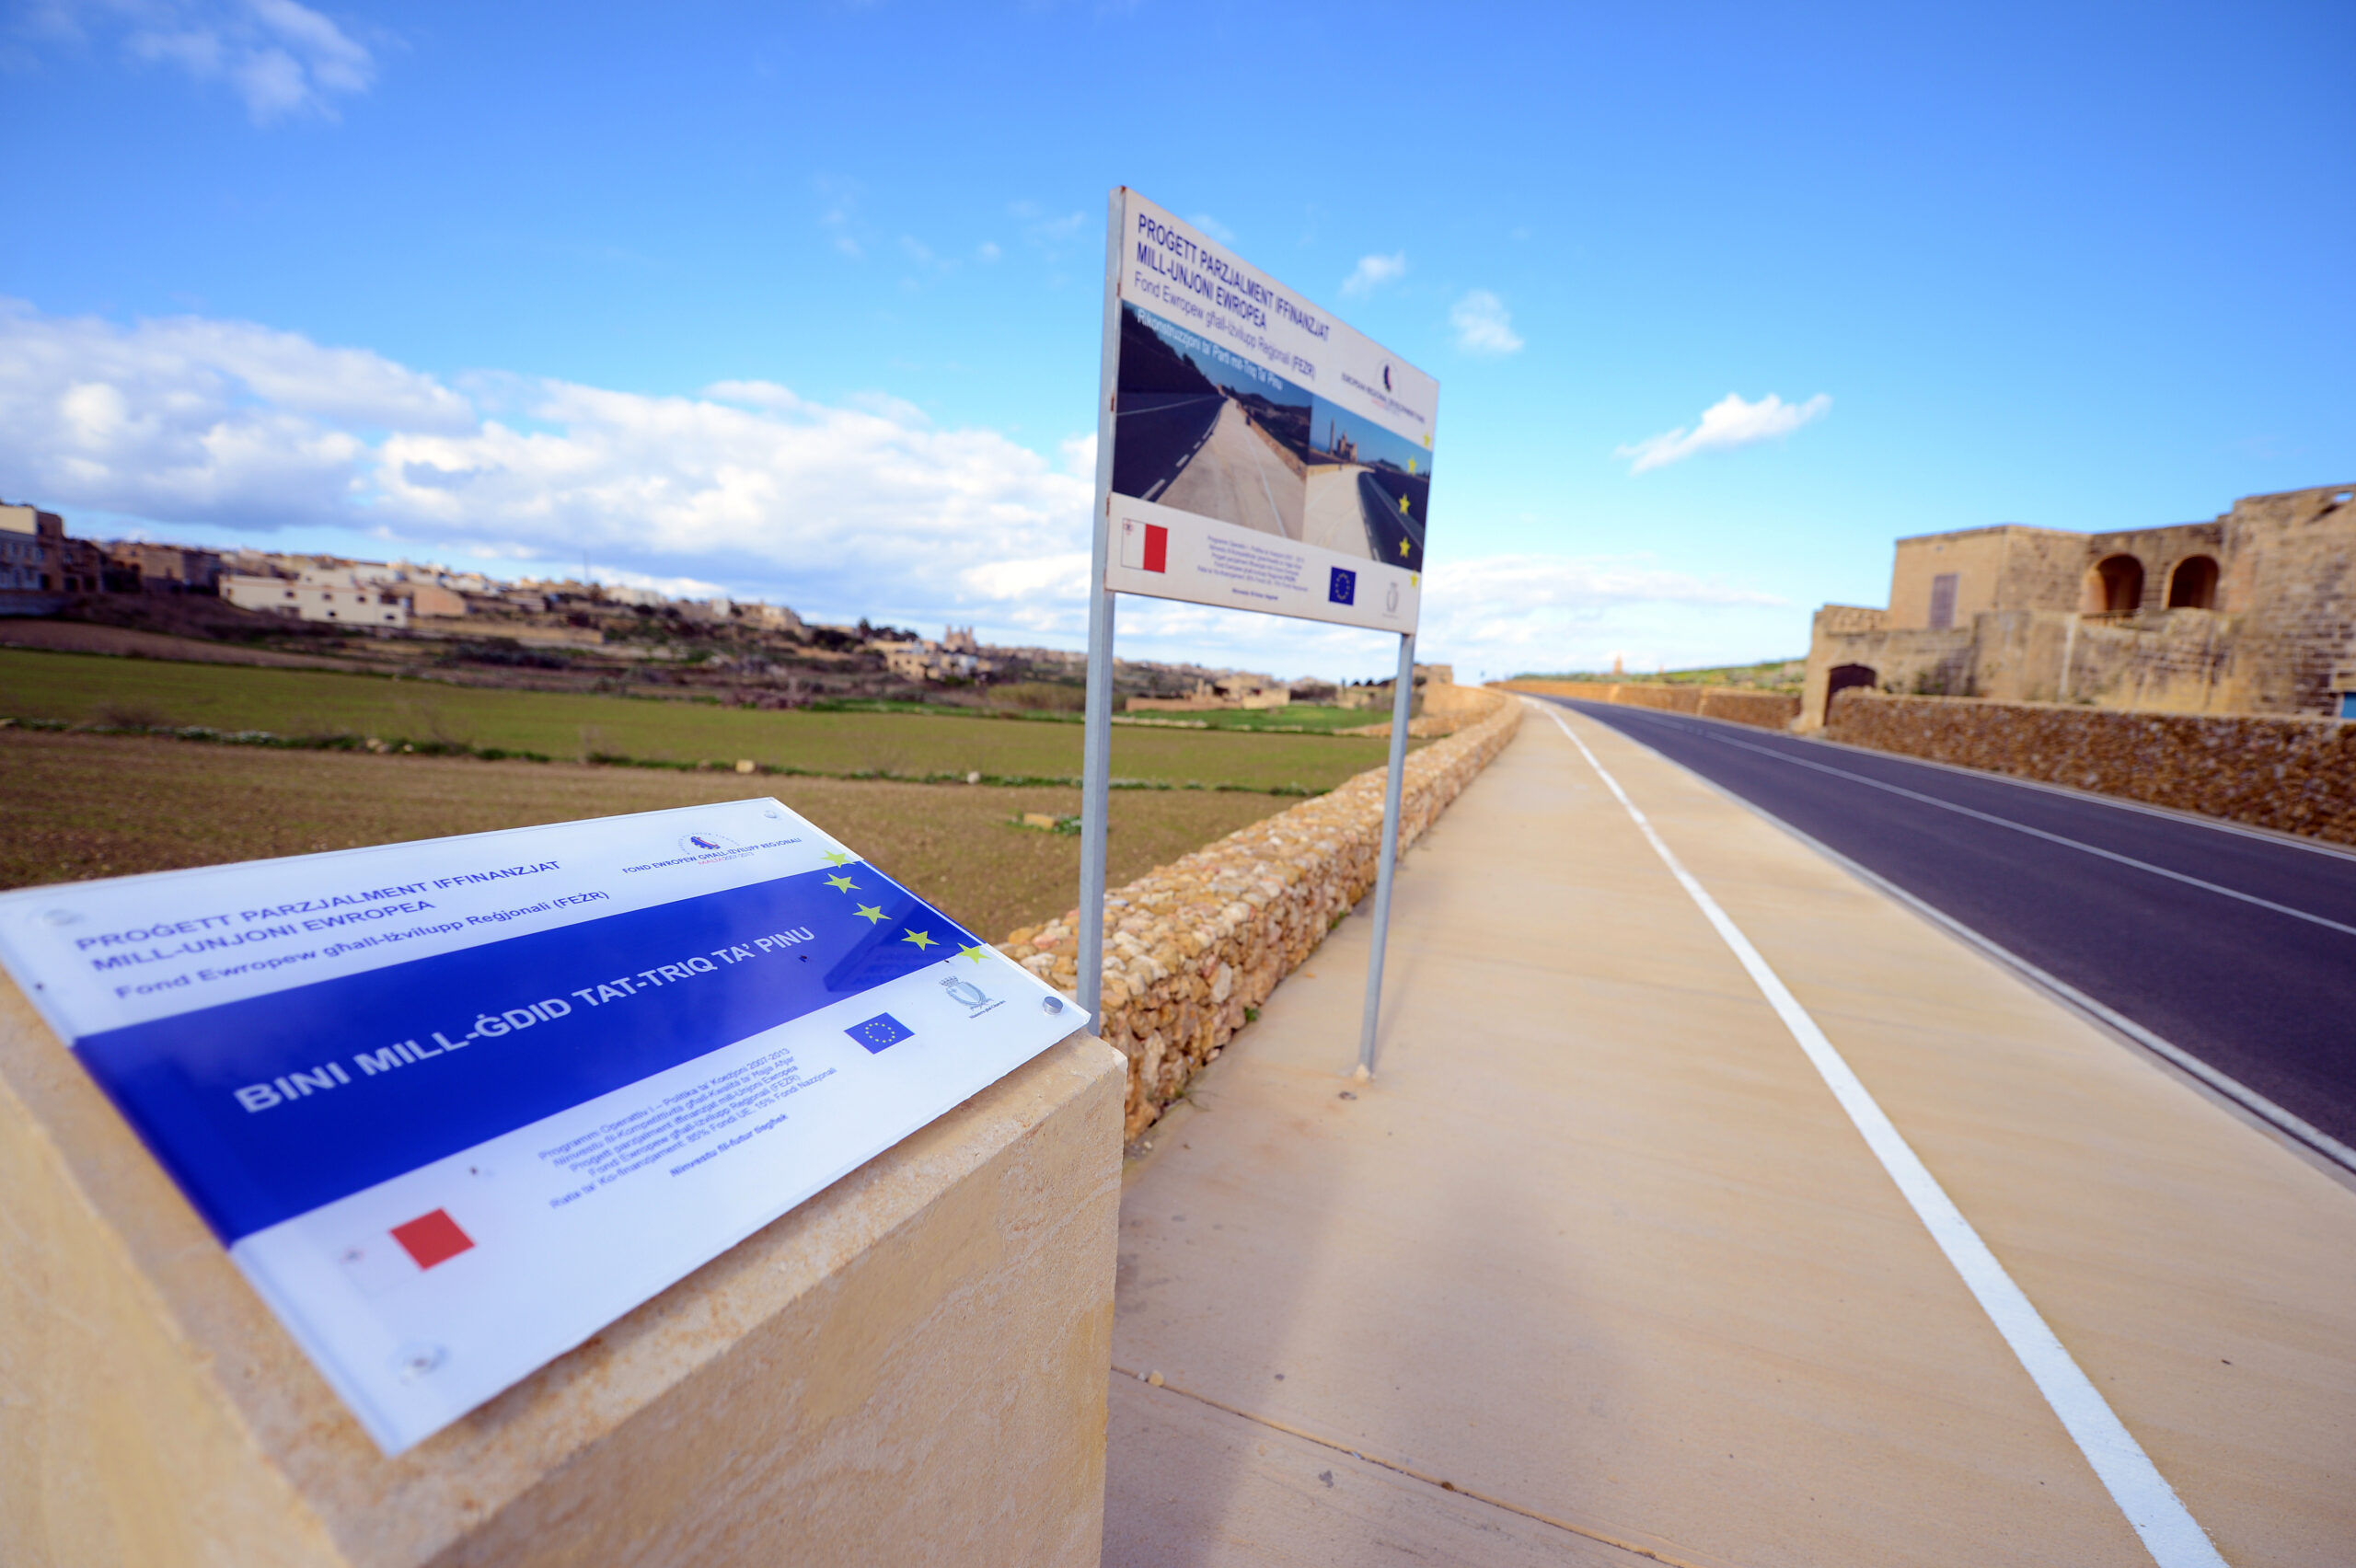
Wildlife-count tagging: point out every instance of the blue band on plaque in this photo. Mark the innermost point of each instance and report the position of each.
(265, 1108)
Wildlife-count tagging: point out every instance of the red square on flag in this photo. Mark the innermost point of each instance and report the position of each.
(433, 1238)
(1145, 547)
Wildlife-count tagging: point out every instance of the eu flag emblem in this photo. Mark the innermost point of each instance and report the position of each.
(1343, 589)
(879, 1032)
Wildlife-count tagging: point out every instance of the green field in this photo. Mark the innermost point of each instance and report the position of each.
(137, 693)
(1299, 718)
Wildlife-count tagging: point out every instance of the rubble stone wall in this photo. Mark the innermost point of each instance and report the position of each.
(1191, 948)
(1765, 710)
(2294, 775)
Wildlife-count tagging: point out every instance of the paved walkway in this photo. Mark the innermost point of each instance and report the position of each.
(1597, 1265)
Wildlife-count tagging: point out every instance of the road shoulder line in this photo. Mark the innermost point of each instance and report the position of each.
(2175, 813)
(2304, 1138)
(2064, 840)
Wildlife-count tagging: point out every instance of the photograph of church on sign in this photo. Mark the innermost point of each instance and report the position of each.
(2250, 613)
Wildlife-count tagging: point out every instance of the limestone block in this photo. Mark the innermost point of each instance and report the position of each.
(908, 1368)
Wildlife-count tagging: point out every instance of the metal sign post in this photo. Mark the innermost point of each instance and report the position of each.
(1402, 699)
(1272, 460)
(1096, 741)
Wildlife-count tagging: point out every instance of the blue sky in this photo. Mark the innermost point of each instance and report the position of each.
(803, 301)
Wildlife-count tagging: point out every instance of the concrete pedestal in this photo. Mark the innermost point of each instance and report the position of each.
(908, 1368)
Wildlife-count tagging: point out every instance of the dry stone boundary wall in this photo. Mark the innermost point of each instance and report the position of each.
(1190, 946)
(2293, 775)
(1764, 709)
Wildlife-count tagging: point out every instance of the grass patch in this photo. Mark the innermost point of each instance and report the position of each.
(84, 805)
(1299, 719)
(283, 707)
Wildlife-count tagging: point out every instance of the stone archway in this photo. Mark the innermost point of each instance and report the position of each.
(1842, 677)
(2194, 584)
(2115, 587)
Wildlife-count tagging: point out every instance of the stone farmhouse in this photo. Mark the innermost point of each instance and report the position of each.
(2252, 613)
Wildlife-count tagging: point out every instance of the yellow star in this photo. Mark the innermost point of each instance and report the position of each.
(841, 884)
(1402, 546)
(835, 857)
(1403, 504)
(1415, 580)
(974, 952)
(870, 912)
(922, 939)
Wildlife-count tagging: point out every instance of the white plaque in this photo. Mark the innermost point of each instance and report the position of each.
(455, 1106)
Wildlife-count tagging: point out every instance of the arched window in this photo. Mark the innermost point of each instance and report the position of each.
(2115, 587)
(2194, 584)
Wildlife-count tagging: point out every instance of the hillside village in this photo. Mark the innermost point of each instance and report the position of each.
(569, 633)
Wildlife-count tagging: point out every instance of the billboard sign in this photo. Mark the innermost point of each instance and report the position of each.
(1266, 457)
(455, 1106)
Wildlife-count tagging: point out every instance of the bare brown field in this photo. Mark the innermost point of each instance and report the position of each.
(79, 806)
(130, 643)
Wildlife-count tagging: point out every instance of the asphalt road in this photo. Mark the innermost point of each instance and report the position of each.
(2236, 948)
(1156, 435)
(1388, 524)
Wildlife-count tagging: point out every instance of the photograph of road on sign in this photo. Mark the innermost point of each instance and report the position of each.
(1369, 488)
(1203, 430)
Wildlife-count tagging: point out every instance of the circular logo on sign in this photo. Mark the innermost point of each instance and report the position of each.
(706, 844)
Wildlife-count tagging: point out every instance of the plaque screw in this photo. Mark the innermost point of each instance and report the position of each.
(1051, 1004)
(414, 1361)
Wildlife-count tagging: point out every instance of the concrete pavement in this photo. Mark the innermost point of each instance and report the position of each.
(1597, 1265)
(1238, 477)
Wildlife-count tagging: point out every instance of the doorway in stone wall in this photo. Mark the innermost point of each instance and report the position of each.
(1844, 676)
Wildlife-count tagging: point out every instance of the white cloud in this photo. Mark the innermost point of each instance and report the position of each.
(1501, 615)
(1508, 613)
(1483, 324)
(839, 216)
(864, 504)
(225, 430)
(1727, 423)
(1050, 233)
(1213, 227)
(1373, 272)
(283, 60)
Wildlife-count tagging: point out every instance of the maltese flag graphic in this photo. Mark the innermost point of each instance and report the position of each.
(432, 1238)
(1145, 547)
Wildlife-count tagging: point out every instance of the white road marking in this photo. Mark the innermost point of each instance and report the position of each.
(2169, 1530)
(2049, 837)
(1274, 511)
(2294, 1127)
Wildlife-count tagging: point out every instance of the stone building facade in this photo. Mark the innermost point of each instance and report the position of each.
(2252, 613)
